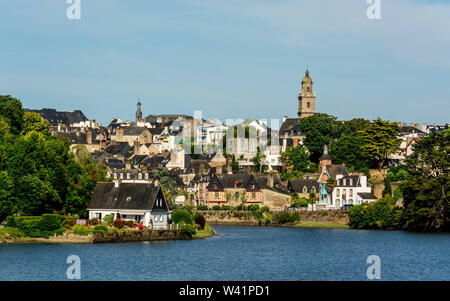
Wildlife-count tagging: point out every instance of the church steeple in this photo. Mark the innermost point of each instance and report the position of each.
(306, 97)
(138, 111)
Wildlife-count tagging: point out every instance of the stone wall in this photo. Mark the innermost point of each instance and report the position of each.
(224, 217)
(134, 236)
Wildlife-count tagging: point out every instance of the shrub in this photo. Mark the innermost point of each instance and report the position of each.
(81, 230)
(108, 219)
(226, 207)
(258, 215)
(94, 221)
(11, 222)
(284, 217)
(129, 223)
(202, 207)
(180, 216)
(201, 221)
(240, 207)
(100, 229)
(189, 208)
(264, 209)
(189, 230)
(216, 207)
(119, 223)
(253, 207)
(50, 222)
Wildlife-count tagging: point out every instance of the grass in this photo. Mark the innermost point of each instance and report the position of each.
(321, 225)
(207, 232)
(10, 232)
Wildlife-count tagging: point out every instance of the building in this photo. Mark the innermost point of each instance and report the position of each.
(248, 189)
(142, 202)
(351, 190)
(304, 187)
(306, 98)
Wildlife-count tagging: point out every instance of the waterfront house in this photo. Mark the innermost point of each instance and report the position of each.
(248, 189)
(142, 202)
(351, 189)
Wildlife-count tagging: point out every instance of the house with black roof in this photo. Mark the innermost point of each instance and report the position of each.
(142, 202)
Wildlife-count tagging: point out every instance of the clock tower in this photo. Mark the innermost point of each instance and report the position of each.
(306, 98)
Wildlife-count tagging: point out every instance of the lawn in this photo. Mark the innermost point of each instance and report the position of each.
(207, 232)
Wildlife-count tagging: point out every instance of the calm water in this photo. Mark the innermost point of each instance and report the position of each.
(243, 253)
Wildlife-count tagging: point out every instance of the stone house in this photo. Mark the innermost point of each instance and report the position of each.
(238, 189)
(131, 133)
(304, 187)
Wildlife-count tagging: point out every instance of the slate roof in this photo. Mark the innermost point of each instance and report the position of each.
(290, 127)
(114, 163)
(367, 196)
(334, 170)
(132, 130)
(156, 131)
(195, 165)
(408, 129)
(297, 185)
(354, 178)
(120, 148)
(133, 196)
(56, 117)
(246, 181)
(74, 137)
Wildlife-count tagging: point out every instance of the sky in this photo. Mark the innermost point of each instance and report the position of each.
(230, 59)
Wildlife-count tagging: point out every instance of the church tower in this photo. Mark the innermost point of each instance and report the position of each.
(138, 112)
(306, 98)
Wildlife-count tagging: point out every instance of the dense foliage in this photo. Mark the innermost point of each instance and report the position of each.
(38, 173)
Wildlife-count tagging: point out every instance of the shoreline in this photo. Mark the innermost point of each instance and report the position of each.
(319, 225)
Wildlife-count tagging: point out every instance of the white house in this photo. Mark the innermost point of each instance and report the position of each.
(142, 202)
(351, 189)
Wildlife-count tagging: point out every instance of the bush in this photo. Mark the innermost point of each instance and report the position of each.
(129, 223)
(201, 221)
(226, 207)
(11, 222)
(189, 208)
(100, 229)
(264, 209)
(81, 230)
(69, 223)
(119, 223)
(202, 207)
(94, 221)
(39, 226)
(184, 216)
(284, 217)
(253, 207)
(108, 219)
(216, 207)
(382, 214)
(189, 230)
(50, 222)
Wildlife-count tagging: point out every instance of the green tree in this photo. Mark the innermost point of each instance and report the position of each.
(319, 129)
(11, 110)
(348, 150)
(35, 122)
(296, 160)
(380, 141)
(426, 194)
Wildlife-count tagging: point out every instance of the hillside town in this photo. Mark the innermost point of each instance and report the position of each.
(211, 164)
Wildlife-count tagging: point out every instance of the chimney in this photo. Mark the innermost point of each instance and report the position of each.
(89, 137)
(156, 182)
(270, 180)
(284, 118)
(136, 149)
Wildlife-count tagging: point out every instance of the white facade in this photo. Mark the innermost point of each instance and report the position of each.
(347, 189)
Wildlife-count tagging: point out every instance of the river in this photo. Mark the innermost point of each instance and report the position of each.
(242, 253)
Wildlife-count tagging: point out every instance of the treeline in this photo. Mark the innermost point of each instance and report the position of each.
(425, 190)
(360, 144)
(38, 173)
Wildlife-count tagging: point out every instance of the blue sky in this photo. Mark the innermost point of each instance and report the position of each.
(229, 58)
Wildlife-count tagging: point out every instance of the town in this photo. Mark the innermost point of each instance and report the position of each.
(312, 162)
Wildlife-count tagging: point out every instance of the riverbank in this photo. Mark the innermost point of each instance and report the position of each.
(308, 219)
(109, 237)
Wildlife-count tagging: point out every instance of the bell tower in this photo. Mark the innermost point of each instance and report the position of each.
(306, 98)
(138, 111)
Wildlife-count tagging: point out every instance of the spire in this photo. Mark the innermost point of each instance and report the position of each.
(325, 155)
(138, 111)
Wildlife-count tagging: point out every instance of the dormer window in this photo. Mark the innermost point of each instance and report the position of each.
(115, 176)
(128, 198)
(121, 175)
(128, 175)
(139, 176)
(146, 176)
(253, 186)
(345, 182)
(305, 189)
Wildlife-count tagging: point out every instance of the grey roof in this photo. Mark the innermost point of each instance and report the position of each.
(74, 137)
(114, 163)
(56, 117)
(297, 185)
(290, 127)
(367, 196)
(120, 148)
(133, 130)
(156, 131)
(134, 196)
(245, 181)
(334, 170)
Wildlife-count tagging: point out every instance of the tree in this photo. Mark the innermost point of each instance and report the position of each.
(6, 197)
(354, 126)
(296, 160)
(11, 110)
(234, 164)
(380, 141)
(258, 162)
(319, 129)
(35, 122)
(348, 150)
(426, 194)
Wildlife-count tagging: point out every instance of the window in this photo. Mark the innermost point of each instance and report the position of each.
(308, 105)
(253, 186)
(128, 175)
(217, 194)
(351, 193)
(351, 182)
(337, 192)
(307, 89)
(128, 198)
(140, 176)
(146, 176)
(236, 195)
(253, 195)
(345, 182)
(313, 189)
(305, 190)
(121, 175)
(115, 176)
